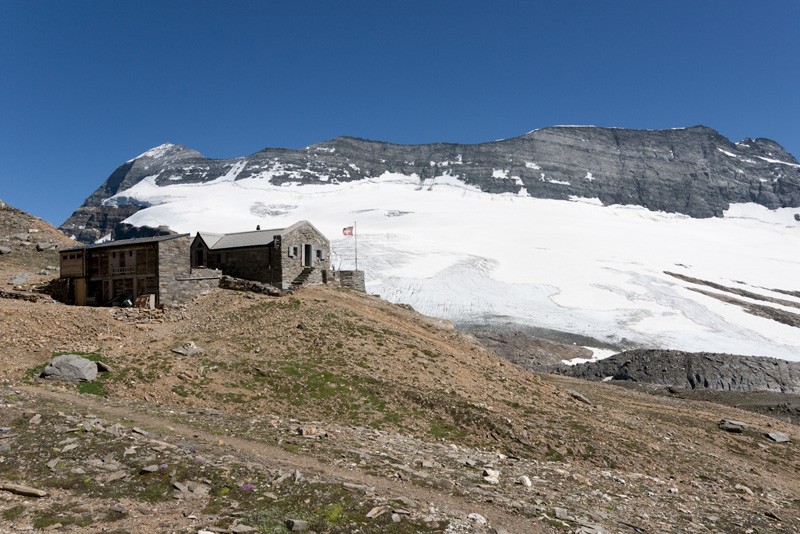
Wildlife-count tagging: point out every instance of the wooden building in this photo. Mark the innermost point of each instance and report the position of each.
(106, 274)
(282, 257)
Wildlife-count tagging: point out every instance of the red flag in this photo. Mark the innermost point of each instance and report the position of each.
(347, 230)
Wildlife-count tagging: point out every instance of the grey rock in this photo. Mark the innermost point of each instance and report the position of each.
(149, 469)
(560, 513)
(5, 250)
(296, 525)
(70, 367)
(358, 487)
(48, 245)
(694, 370)
(579, 397)
(695, 171)
(445, 484)
(731, 425)
(187, 349)
(492, 476)
(19, 278)
(26, 491)
(778, 437)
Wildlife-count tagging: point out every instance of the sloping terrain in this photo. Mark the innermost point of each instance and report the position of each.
(377, 407)
(29, 245)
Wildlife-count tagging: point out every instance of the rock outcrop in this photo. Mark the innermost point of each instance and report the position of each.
(70, 367)
(695, 171)
(689, 370)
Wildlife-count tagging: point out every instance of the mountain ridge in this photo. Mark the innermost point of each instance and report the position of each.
(695, 171)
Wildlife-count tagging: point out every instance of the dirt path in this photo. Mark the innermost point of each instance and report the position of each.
(265, 453)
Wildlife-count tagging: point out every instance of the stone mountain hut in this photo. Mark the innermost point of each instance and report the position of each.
(281, 257)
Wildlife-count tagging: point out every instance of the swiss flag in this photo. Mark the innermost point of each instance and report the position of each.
(347, 230)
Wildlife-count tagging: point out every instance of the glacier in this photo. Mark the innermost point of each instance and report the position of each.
(452, 251)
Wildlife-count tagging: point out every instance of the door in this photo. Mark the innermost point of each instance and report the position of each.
(80, 291)
(308, 259)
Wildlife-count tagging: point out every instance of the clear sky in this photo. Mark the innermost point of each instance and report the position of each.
(86, 85)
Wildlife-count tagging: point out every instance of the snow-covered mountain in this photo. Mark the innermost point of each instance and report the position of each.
(551, 229)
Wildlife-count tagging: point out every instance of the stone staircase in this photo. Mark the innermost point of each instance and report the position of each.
(302, 277)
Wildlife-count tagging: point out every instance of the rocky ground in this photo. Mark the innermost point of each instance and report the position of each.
(333, 411)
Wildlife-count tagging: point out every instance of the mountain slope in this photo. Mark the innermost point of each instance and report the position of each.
(447, 240)
(368, 398)
(694, 171)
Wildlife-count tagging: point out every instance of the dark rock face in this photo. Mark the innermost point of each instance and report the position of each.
(695, 171)
(129, 231)
(700, 370)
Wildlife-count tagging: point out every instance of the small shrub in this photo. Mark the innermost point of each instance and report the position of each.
(13, 512)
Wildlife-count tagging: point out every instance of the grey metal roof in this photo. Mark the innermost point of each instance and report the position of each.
(253, 238)
(209, 238)
(126, 242)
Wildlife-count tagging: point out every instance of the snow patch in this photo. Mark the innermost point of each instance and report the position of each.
(155, 153)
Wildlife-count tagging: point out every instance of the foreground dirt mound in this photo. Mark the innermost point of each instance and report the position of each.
(349, 389)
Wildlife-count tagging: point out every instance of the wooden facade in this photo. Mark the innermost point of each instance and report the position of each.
(108, 273)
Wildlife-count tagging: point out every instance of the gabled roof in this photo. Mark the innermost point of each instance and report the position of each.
(126, 242)
(209, 238)
(253, 238)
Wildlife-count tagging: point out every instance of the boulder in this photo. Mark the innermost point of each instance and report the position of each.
(47, 245)
(731, 425)
(19, 278)
(187, 349)
(70, 367)
(5, 250)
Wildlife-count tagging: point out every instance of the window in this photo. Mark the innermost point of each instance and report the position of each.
(293, 251)
(319, 254)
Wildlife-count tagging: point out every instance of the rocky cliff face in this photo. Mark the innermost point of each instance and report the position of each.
(695, 171)
(687, 370)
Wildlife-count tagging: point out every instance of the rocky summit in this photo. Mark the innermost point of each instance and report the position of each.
(695, 171)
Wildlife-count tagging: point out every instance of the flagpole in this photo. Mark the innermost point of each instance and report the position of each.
(355, 240)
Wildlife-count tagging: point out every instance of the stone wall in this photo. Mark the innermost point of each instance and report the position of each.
(182, 288)
(255, 263)
(348, 279)
(294, 249)
(173, 261)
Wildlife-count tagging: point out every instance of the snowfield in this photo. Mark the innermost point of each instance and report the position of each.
(452, 251)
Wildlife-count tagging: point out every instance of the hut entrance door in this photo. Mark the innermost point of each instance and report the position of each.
(307, 256)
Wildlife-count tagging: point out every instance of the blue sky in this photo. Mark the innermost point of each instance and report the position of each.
(87, 85)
